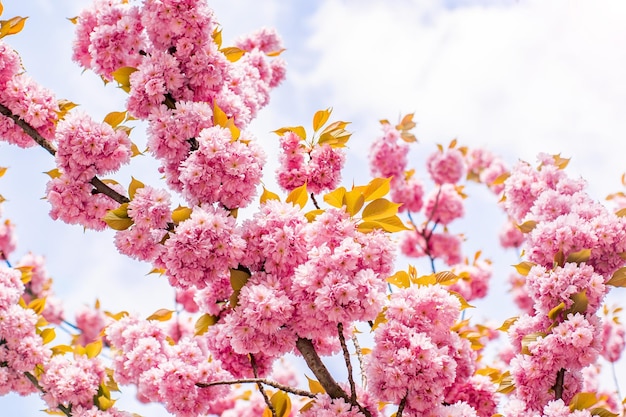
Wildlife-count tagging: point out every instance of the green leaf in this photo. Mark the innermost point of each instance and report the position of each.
(379, 209)
(298, 196)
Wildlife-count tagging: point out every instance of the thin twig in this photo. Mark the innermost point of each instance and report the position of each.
(346, 357)
(359, 355)
(65, 410)
(268, 382)
(314, 201)
(260, 386)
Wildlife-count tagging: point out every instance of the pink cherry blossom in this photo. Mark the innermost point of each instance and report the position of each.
(446, 166)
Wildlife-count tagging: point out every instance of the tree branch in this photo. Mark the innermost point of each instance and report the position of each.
(99, 186)
(558, 385)
(346, 357)
(315, 364)
(359, 355)
(29, 130)
(268, 382)
(260, 386)
(65, 410)
(401, 406)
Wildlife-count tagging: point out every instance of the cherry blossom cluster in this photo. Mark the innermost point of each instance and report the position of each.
(571, 255)
(163, 372)
(417, 359)
(318, 166)
(21, 348)
(150, 212)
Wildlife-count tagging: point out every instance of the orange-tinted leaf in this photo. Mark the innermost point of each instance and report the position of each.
(400, 279)
(134, 186)
(268, 195)
(115, 118)
(353, 200)
(298, 196)
(335, 198)
(122, 76)
(379, 209)
(203, 323)
(232, 53)
(93, 349)
(320, 118)
(618, 279)
(181, 214)
(162, 314)
(377, 188)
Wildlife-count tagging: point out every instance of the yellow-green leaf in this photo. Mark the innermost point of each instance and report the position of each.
(464, 303)
(523, 268)
(619, 278)
(528, 339)
(580, 302)
(117, 220)
(506, 384)
(400, 279)
(380, 319)
(116, 316)
(298, 130)
(527, 226)
(181, 214)
(335, 198)
(390, 224)
(282, 404)
(298, 196)
(61, 349)
(47, 335)
(353, 200)
(161, 314)
(53, 173)
(219, 116)
(203, 323)
(232, 53)
(115, 118)
(134, 186)
(602, 412)
(320, 118)
(12, 26)
(507, 324)
(134, 150)
(556, 311)
(238, 278)
(105, 403)
(582, 400)
(377, 188)
(501, 178)
(93, 349)
(122, 76)
(311, 215)
(37, 305)
(378, 209)
(314, 386)
(74, 19)
(425, 280)
(217, 37)
(580, 256)
(446, 278)
(268, 195)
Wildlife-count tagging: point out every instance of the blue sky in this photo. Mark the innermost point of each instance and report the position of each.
(518, 77)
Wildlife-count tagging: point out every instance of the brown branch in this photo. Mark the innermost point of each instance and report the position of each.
(102, 188)
(401, 406)
(268, 382)
(29, 130)
(314, 201)
(346, 357)
(315, 364)
(558, 385)
(99, 186)
(65, 410)
(260, 386)
(359, 355)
